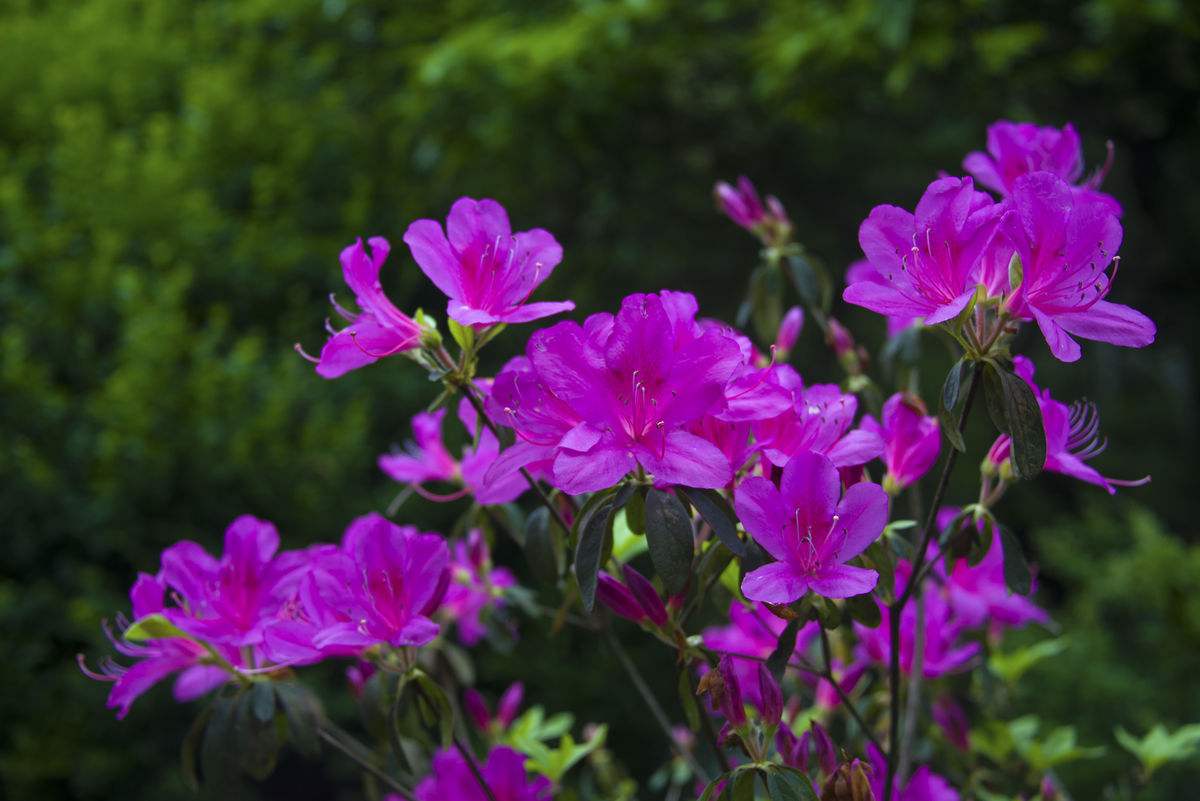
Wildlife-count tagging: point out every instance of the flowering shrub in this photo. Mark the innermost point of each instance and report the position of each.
(760, 499)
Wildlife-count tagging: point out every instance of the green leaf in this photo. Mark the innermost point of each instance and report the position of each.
(811, 283)
(190, 749)
(303, 713)
(153, 627)
(864, 609)
(788, 784)
(687, 700)
(218, 748)
(635, 512)
(464, 335)
(955, 390)
(1159, 746)
(670, 538)
(544, 546)
(433, 708)
(1011, 398)
(743, 785)
(716, 511)
(778, 660)
(256, 739)
(828, 613)
(1011, 666)
(1016, 570)
(880, 558)
(262, 701)
(766, 301)
(594, 542)
(1016, 272)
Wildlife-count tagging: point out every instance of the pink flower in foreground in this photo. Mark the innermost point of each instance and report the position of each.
(1066, 243)
(504, 773)
(812, 534)
(620, 392)
(927, 263)
(486, 270)
(378, 330)
(912, 440)
(1072, 436)
(923, 785)
(476, 586)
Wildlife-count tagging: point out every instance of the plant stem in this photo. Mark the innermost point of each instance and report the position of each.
(913, 701)
(327, 733)
(470, 758)
(897, 608)
(837, 687)
(652, 704)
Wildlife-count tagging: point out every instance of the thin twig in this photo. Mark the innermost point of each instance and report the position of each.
(651, 702)
(913, 701)
(842, 694)
(325, 732)
(470, 758)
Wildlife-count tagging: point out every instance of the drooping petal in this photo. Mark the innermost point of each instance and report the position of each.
(601, 468)
(688, 460)
(1110, 322)
(1062, 346)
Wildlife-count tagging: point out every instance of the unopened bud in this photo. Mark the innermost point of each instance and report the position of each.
(510, 704)
(646, 596)
(826, 752)
(771, 697)
(617, 597)
(850, 782)
(789, 331)
(1049, 789)
(476, 709)
(840, 338)
(730, 703)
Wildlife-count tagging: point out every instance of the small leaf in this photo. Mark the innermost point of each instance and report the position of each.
(464, 335)
(778, 660)
(433, 708)
(262, 701)
(828, 612)
(303, 713)
(954, 396)
(670, 539)
(766, 301)
(218, 752)
(543, 546)
(1026, 426)
(743, 785)
(635, 512)
(880, 558)
(864, 609)
(153, 627)
(256, 740)
(788, 784)
(993, 396)
(687, 700)
(594, 541)
(1016, 272)
(716, 511)
(811, 282)
(1016, 570)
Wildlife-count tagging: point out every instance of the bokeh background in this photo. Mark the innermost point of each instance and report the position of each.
(177, 178)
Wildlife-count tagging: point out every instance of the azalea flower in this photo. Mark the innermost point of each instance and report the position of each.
(812, 534)
(158, 659)
(503, 772)
(618, 393)
(378, 330)
(923, 785)
(1072, 437)
(486, 271)
(506, 708)
(476, 586)
(927, 263)
(427, 458)
(912, 440)
(1066, 243)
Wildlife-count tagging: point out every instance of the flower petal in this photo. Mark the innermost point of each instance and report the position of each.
(1110, 322)
(862, 514)
(844, 581)
(760, 508)
(776, 583)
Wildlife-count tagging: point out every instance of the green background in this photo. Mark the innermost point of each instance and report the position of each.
(177, 178)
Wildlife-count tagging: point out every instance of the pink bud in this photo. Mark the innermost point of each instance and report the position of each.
(477, 550)
(771, 705)
(740, 204)
(1049, 789)
(953, 721)
(776, 210)
(792, 751)
(646, 595)
(826, 752)
(840, 338)
(789, 329)
(476, 709)
(730, 702)
(617, 597)
(510, 704)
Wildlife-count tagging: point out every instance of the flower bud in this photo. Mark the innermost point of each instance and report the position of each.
(730, 702)
(793, 751)
(741, 204)
(646, 595)
(826, 752)
(510, 704)
(953, 721)
(1049, 789)
(789, 331)
(850, 782)
(476, 709)
(771, 697)
(840, 338)
(617, 597)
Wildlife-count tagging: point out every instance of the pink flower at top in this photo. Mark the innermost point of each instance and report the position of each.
(1072, 437)
(912, 440)
(819, 419)
(476, 586)
(742, 205)
(864, 270)
(379, 329)
(381, 586)
(811, 533)
(157, 659)
(486, 270)
(923, 785)
(1066, 242)
(620, 392)
(427, 459)
(504, 773)
(927, 263)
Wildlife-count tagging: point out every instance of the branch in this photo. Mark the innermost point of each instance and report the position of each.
(333, 735)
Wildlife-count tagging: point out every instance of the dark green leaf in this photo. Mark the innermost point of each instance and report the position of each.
(904, 347)
(787, 784)
(433, 708)
(687, 700)
(993, 396)
(262, 701)
(257, 741)
(594, 541)
(766, 301)
(864, 609)
(543, 546)
(670, 539)
(218, 748)
(189, 751)
(778, 660)
(827, 612)
(709, 790)
(743, 785)
(712, 506)
(1026, 427)
(303, 713)
(810, 280)
(954, 396)
(635, 512)
(1016, 570)
(880, 558)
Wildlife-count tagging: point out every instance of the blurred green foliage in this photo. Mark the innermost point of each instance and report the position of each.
(177, 178)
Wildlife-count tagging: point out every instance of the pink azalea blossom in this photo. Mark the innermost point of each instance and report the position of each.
(812, 534)
(753, 632)
(819, 419)
(923, 785)
(912, 440)
(158, 659)
(864, 270)
(927, 263)
(504, 773)
(1066, 243)
(486, 271)
(620, 392)
(427, 459)
(378, 330)
(476, 586)
(1072, 437)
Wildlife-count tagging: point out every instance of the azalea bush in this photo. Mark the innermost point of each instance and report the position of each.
(832, 618)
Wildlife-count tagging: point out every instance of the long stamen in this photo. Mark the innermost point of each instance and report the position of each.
(304, 354)
(402, 346)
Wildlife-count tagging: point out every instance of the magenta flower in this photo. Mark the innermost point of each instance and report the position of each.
(378, 330)
(486, 270)
(928, 262)
(923, 785)
(620, 392)
(427, 458)
(381, 586)
(864, 270)
(752, 632)
(953, 721)
(1072, 437)
(812, 534)
(157, 659)
(504, 773)
(912, 440)
(1066, 242)
(819, 420)
(942, 653)
(506, 708)
(476, 587)
(742, 205)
